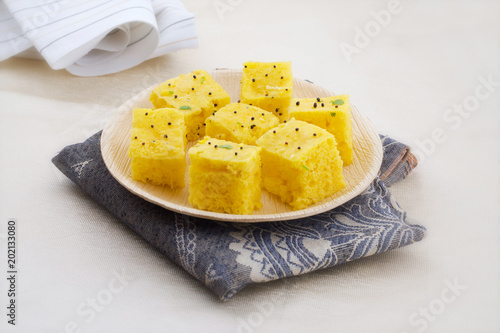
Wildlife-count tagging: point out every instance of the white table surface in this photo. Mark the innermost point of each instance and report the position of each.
(410, 77)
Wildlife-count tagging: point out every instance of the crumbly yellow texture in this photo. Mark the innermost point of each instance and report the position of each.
(240, 123)
(225, 177)
(268, 85)
(197, 95)
(157, 147)
(331, 113)
(300, 163)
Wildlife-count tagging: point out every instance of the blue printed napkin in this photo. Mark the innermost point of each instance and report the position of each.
(226, 257)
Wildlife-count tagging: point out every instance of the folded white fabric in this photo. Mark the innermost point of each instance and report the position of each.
(94, 37)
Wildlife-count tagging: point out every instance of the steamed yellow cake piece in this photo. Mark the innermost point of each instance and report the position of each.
(193, 108)
(155, 161)
(157, 147)
(268, 85)
(197, 83)
(240, 123)
(164, 123)
(331, 113)
(300, 163)
(196, 94)
(225, 177)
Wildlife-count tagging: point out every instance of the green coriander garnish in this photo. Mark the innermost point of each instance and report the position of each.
(185, 107)
(170, 92)
(305, 167)
(333, 114)
(337, 102)
(202, 79)
(226, 146)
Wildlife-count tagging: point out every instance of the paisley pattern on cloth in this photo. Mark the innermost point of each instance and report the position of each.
(352, 231)
(226, 257)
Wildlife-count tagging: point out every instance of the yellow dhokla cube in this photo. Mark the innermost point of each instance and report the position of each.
(225, 177)
(300, 163)
(157, 147)
(240, 123)
(268, 85)
(331, 113)
(197, 95)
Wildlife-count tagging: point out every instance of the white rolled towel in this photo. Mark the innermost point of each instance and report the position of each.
(94, 37)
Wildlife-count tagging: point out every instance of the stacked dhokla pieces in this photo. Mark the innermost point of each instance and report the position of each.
(244, 146)
(268, 85)
(157, 147)
(300, 163)
(331, 113)
(225, 177)
(240, 123)
(196, 95)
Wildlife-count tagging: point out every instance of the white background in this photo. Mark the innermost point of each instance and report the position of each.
(409, 77)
